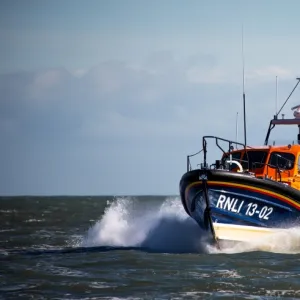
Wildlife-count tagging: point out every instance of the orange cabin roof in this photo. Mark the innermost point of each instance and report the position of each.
(286, 148)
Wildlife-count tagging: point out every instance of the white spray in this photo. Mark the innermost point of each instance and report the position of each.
(159, 227)
(165, 227)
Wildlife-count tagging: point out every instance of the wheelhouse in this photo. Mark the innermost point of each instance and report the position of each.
(280, 163)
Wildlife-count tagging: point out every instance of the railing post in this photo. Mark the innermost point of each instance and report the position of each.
(204, 151)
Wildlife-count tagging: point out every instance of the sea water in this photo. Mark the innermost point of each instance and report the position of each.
(140, 247)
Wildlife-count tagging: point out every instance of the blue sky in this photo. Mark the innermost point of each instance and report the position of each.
(108, 97)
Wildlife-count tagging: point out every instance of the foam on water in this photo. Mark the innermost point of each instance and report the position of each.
(157, 226)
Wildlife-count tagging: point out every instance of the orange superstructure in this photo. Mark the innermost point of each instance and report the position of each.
(280, 163)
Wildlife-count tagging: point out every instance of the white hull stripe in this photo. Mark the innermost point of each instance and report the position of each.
(243, 233)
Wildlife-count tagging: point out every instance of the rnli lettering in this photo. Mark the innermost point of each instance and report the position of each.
(236, 205)
(231, 204)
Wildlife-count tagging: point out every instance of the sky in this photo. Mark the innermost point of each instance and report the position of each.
(108, 97)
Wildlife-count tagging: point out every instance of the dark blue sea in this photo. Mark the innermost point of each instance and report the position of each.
(133, 248)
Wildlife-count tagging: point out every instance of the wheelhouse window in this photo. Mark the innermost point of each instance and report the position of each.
(256, 159)
(282, 160)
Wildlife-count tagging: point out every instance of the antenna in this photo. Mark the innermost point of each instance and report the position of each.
(236, 128)
(276, 95)
(244, 97)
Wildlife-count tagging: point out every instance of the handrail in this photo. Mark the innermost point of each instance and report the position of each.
(217, 140)
(230, 147)
(276, 167)
(268, 165)
(189, 167)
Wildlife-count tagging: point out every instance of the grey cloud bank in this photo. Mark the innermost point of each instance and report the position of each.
(119, 128)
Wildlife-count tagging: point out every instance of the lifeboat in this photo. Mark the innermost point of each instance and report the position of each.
(248, 192)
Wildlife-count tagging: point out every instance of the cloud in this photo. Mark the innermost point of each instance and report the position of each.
(198, 75)
(118, 128)
(79, 72)
(268, 73)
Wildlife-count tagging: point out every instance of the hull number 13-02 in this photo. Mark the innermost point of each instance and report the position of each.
(239, 206)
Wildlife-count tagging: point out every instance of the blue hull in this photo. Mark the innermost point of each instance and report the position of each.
(222, 197)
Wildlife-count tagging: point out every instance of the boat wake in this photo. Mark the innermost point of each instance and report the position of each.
(165, 227)
(156, 226)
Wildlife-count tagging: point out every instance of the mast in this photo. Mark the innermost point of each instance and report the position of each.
(276, 121)
(298, 81)
(244, 97)
(276, 95)
(236, 128)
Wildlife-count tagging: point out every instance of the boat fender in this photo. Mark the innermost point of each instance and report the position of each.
(237, 163)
